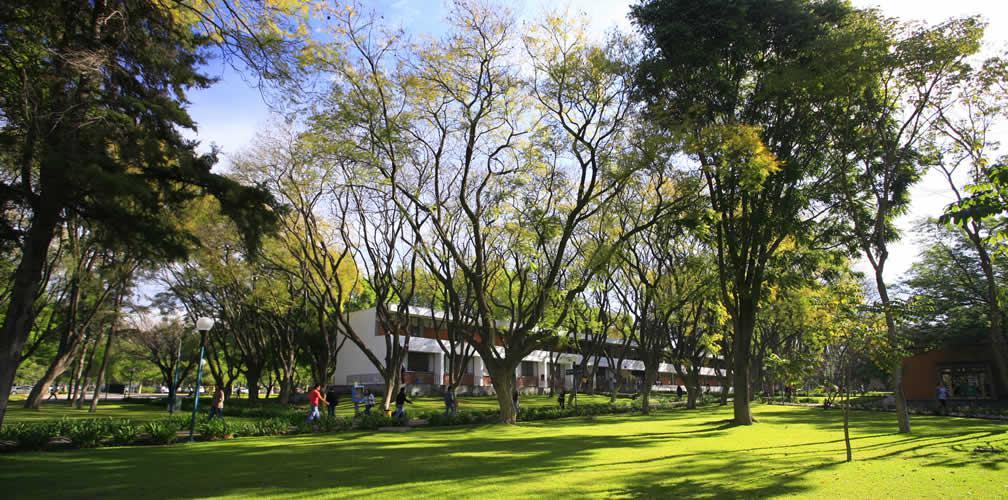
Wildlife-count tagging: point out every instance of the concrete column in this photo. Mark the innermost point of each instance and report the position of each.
(439, 368)
(477, 370)
(546, 373)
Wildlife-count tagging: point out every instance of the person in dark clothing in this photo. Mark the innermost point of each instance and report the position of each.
(400, 403)
(450, 403)
(678, 392)
(332, 399)
(942, 394)
(560, 398)
(517, 404)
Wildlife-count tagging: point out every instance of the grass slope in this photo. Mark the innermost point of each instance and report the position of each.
(792, 451)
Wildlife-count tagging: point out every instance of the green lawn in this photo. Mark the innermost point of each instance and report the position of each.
(141, 412)
(791, 451)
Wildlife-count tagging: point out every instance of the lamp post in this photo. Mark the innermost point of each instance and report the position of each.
(175, 381)
(203, 325)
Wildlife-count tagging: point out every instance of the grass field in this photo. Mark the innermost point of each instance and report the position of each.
(142, 412)
(678, 453)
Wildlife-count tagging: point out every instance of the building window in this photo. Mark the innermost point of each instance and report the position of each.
(418, 362)
(967, 381)
(528, 368)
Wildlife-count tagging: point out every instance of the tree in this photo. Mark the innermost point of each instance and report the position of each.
(499, 173)
(696, 327)
(92, 96)
(884, 137)
(754, 89)
(654, 284)
(167, 343)
(315, 247)
(93, 277)
(966, 145)
(948, 276)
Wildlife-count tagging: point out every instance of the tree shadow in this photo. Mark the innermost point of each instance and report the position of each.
(668, 455)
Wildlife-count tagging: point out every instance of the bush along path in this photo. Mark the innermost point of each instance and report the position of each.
(876, 403)
(69, 433)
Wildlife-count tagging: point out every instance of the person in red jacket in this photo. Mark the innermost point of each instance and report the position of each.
(314, 399)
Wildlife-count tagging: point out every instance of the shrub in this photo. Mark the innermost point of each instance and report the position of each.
(334, 424)
(124, 432)
(86, 433)
(29, 436)
(376, 420)
(270, 427)
(217, 428)
(162, 431)
(37, 436)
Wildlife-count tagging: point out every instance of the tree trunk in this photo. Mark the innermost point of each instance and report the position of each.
(286, 387)
(105, 357)
(896, 370)
(78, 373)
(741, 353)
(252, 377)
(392, 383)
(693, 389)
(20, 315)
(999, 344)
(650, 375)
(846, 412)
(55, 369)
(79, 402)
(504, 386)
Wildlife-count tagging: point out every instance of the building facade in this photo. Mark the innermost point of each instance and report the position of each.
(967, 371)
(425, 369)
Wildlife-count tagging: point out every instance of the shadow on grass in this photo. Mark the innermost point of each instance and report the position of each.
(627, 455)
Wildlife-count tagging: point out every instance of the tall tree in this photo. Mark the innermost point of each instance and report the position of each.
(966, 143)
(92, 96)
(501, 198)
(754, 88)
(889, 121)
(949, 277)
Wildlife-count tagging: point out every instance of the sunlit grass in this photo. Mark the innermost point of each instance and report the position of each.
(678, 453)
(143, 412)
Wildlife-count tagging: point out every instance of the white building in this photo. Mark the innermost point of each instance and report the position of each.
(425, 366)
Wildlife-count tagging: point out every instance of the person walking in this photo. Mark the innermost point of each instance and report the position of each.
(561, 398)
(52, 393)
(332, 399)
(517, 404)
(217, 405)
(942, 393)
(451, 404)
(678, 392)
(400, 403)
(368, 402)
(314, 399)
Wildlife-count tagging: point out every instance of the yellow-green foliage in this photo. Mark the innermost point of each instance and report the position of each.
(738, 149)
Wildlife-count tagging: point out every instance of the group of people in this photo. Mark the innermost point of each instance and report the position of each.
(331, 398)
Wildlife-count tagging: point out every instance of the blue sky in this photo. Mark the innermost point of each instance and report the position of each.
(229, 113)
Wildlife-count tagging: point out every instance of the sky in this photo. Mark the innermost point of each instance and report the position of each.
(229, 113)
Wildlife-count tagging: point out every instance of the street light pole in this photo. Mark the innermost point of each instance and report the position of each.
(175, 380)
(203, 325)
